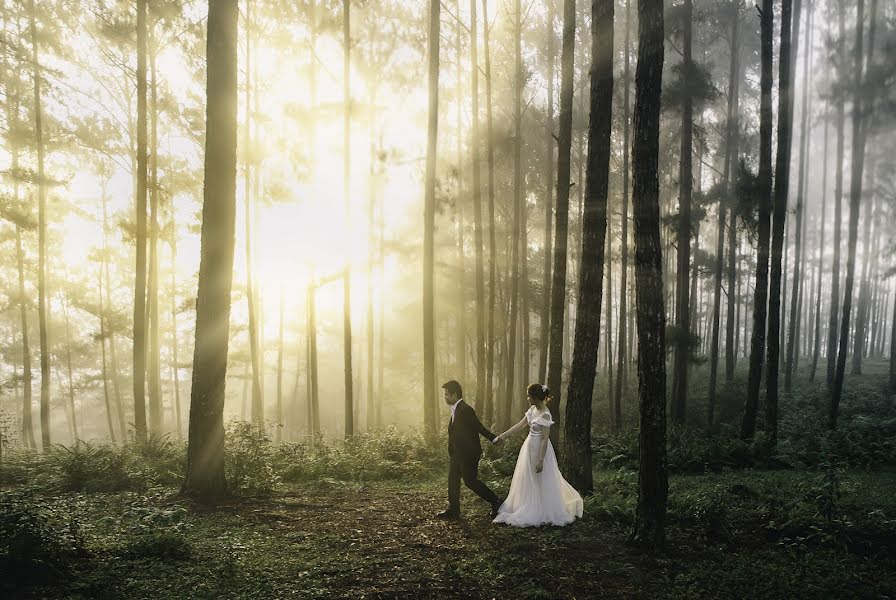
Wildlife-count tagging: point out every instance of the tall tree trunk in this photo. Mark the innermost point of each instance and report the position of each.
(70, 371)
(834, 319)
(175, 365)
(139, 350)
(254, 350)
(429, 350)
(477, 210)
(622, 364)
(493, 258)
(371, 241)
(822, 225)
(577, 434)
(278, 431)
(205, 451)
(805, 142)
(461, 288)
(105, 372)
(678, 405)
(27, 425)
(564, 150)
(42, 309)
(517, 208)
(855, 199)
(782, 181)
(154, 367)
(346, 175)
(757, 340)
(548, 201)
(113, 351)
(653, 484)
(313, 397)
(729, 166)
(864, 302)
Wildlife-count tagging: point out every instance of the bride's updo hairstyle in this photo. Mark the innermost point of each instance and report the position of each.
(539, 392)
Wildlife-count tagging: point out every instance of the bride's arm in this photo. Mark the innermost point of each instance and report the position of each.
(523, 422)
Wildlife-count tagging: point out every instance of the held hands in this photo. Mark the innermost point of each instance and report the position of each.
(498, 440)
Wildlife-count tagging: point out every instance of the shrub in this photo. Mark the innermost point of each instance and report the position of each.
(248, 459)
(39, 542)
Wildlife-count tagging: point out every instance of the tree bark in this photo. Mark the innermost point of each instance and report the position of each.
(558, 286)
(429, 383)
(155, 382)
(855, 199)
(824, 199)
(782, 182)
(492, 261)
(834, 319)
(205, 451)
(678, 405)
(653, 484)
(548, 201)
(577, 433)
(622, 360)
(139, 350)
(729, 166)
(796, 291)
(477, 210)
(346, 182)
(760, 297)
(42, 308)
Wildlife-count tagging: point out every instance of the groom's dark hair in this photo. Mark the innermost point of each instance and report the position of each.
(453, 387)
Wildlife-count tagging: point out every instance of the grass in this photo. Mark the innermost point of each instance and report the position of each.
(379, 540)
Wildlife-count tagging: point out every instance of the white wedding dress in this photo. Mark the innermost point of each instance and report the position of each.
(538, 498)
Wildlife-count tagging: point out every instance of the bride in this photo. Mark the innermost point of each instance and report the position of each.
(538, 493)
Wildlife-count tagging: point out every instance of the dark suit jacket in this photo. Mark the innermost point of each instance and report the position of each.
(464, 432)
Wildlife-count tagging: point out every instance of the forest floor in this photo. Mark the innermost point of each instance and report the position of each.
(730, 535)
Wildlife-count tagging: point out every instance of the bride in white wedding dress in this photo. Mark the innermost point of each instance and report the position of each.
(538, 493)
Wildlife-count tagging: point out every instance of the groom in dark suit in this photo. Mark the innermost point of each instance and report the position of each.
(464, 451)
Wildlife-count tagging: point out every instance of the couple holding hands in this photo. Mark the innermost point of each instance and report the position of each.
(538, 493)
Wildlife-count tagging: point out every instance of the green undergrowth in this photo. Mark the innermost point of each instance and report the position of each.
(777, 534)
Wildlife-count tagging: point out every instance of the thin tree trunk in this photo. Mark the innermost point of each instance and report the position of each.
(278, 431)
(42, 309)
(154, 367)
(653, 484)
(492, 261)
(834, 320)
(678, 405)
(760, 297)
(175, 365)
(824, 199)
(855, 198)
(27, 425)
(805, 142)
(257, 387)
(105, 373)
(477, 210)
(548, 202)
(205, 451)
(346, 175)
(577, 434)
(622, 364)
(558, 286)
(782, 181)
(429, 383)
(69, 370)
(139, 350)
(729, 166)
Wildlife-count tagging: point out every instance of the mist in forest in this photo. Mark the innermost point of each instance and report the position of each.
(667, 212)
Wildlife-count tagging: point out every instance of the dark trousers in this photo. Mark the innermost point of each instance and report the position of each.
(469, 471)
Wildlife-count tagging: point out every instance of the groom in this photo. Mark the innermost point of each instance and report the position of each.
(464, 451)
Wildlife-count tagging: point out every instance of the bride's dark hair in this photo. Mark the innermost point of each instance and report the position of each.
(540, 393)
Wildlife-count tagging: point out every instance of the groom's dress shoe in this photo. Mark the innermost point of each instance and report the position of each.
(496, 507)
(449, 515)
